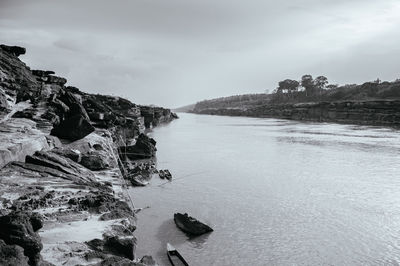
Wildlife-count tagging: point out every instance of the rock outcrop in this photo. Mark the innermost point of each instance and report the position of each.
(20, 228)
(61, 156)
(154, 116)
(15, 50)
(12, 255)
(144, 148)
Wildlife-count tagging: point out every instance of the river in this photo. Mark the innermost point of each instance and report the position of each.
(276, 192)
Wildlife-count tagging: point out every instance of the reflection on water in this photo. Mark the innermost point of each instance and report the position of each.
(276, 192)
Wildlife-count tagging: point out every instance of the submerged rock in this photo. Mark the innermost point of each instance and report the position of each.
(190, 225)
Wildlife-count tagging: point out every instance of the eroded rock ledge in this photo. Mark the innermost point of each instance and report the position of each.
(65, 157)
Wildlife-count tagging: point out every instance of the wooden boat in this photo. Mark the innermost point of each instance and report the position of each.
(168, 174)
(161, 174)
(174, 256)
(191, 225)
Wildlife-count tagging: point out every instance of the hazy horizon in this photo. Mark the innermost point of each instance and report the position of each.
(179, 52)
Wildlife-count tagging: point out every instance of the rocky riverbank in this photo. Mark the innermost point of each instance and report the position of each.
(66, 157)
(372, 112)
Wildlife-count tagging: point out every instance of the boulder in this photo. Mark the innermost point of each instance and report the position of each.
(124, 247)
(15, 50)
(17, 229)
(190, 225)
(73, 128)
(74, 104)
(94, 161)
(115, 245)
(148, 260)
(11, 255)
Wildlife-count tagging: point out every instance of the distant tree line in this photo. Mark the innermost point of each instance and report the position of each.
(314, 89)
(311, 86)
(307, 89)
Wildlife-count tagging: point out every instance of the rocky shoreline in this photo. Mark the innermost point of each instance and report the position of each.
(371, 112)
(66, 158)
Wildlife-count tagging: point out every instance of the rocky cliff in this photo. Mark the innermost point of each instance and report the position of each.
(65, 157)
(372, 112)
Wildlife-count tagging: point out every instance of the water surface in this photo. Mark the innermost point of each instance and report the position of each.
(276, 192)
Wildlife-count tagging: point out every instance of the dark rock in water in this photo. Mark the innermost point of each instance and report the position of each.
(12, 255)
(15, 50)
(190, 225)
(17, 229)
(144, 148)
(73, 128)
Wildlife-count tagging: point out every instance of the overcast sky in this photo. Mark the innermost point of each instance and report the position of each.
(177, 52)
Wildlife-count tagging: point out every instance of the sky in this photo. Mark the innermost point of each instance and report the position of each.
(176, 52)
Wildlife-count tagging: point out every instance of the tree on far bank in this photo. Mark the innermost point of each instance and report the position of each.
(320, 82)
(307, 82)
(288, 85)
(332, 86)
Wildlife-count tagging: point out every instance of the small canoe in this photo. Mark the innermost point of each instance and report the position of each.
(168, 174)
(161, 174)
(175, 257)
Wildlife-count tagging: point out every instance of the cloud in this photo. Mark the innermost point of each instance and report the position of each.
(180, 51)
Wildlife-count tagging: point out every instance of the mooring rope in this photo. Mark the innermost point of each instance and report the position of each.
(181, 177)
(118, 160)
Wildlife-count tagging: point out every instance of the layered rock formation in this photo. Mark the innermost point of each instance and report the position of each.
(372, 112)
(62, 167)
